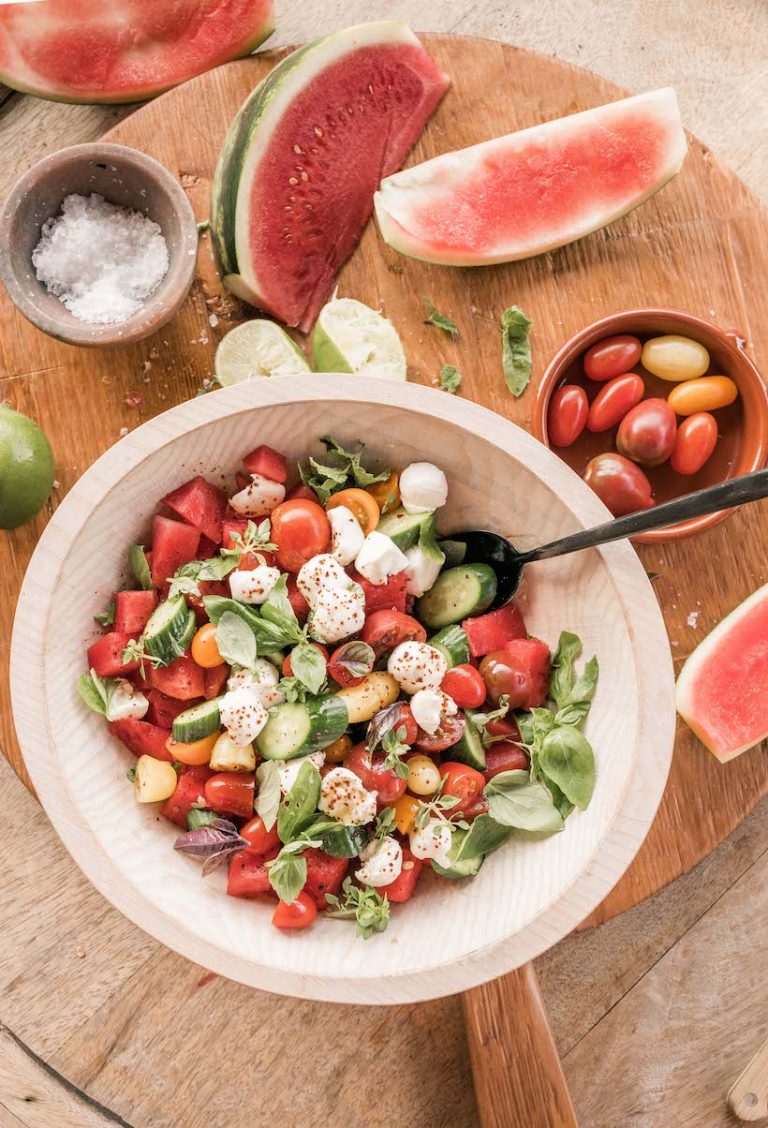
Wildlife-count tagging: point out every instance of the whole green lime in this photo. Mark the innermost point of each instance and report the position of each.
(26, 468)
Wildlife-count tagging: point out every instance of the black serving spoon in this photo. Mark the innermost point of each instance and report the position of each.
(475, 546)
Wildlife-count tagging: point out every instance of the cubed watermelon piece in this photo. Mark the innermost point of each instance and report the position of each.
(207, 587)
(248, 875)
(324, 875)
(390, 596)
(132, 609)
(403, 887)
(215, 680)
(183, 679)
(494, 630)
(173, 544)
(105, 656)
(301, 491)
(190, 789)
(142, 738)
(532, 656)
(164, 710)
(200, 504)
(267, 462)
(206, 549)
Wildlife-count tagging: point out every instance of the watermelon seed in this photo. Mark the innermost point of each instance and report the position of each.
(318, 131)
(292, 181)
(305, 177)
(297, 150)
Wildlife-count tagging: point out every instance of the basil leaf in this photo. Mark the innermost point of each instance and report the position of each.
(428, 542)
(107, 618)
(584, 686)
(573, 714)
(382, 723)
(268, 636)
(484, 836)
(268, 797)
(516, 349)
(440, 321)
(198, 817)
(297, 810)
(562, 677)
(566, 757)
(357, 658)
(96, 692)
(514, 801)
(278, 611)
(564, 806)
(215, 843)
(450, 378)
(308, 666)
(137, 561)
(218, 567)
(288, 876)
(235, 640)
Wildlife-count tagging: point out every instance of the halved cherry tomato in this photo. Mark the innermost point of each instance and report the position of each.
(461, 780)
(567, 415)
(620, 484)
(339, 671)
(258, 837)
(300, 914)
(386, 494)
(465, 685)
(195, 752)
(360, 503)
(647, 433)
(611, 357)
(204, 649)
(406, 809)
(337, 752)
(384, 630)
(695, 442)
(301, 530)
(403, 718)
(450, 732)
(505, 757)
(614, 400)
(503, 726)
(288, 668)
(374, 776)
(230, 793)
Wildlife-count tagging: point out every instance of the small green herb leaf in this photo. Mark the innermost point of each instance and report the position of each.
(287, 876)
(393, 743)
(96, 691)
(367, 907)
(482, 720)
(450, 378)
(297, 810)
(516, 349)
(106, 618)
(514, 801)
(268, 797)
(278, 611)
(484, 836)
(235, 640)
(199, 816)
(440, 321)
(566, 758)
(308, 666)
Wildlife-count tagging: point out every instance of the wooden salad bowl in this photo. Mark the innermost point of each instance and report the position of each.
(452, 936)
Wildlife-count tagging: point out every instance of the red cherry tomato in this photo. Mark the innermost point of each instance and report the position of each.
(613, 401)
(620, 485)
(300, 914)
(506, 676)
(461, 780)
(370, 770)
(450, 732)
(258, 837)
(505, 757)
(230, 793)
(288, 668)
(384, 630)
(567, 415)
(301, 530)
(403, 718)
(611, 357)
(696, 439)
(503, 726)
(465, 685)
(647, 433)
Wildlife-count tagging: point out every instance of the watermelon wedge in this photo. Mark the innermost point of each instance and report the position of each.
(123, 50)
(722, 690)
(535, 190)
(295, 181)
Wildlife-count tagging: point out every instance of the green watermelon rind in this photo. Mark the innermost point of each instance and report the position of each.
(395, 232)
(697, 662)
(248, 138)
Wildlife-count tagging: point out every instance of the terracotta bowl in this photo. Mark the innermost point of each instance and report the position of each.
(743, 427)
(452, 935)
(125, 177)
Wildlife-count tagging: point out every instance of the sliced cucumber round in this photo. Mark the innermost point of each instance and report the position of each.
(198, 722)
(169, 630)
(344, 841)
(453, 643)
(456, 594)
(299, 728)
(404, 528)
(469, 750)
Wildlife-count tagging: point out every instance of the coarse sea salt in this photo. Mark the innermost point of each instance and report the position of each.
(102, 261)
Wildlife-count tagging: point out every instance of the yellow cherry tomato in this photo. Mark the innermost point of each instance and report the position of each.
(423, 776)
(705, 394)
(204, 649)
(154, 780)
(360, 503)
(337, 751)
(406, 809)
(386, 494)
(196, 752)
(675, 358)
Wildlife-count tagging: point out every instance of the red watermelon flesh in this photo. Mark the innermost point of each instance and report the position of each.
(123, 50)
(722, 690)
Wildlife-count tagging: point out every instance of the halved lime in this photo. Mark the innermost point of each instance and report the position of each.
(257, 348)
(352, 337)
(26, 468)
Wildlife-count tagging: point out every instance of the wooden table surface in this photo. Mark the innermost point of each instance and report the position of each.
(654, 1013)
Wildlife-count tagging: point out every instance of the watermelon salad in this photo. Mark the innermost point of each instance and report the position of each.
(322, 697)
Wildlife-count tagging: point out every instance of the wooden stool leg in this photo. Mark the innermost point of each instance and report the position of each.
(519, 1080)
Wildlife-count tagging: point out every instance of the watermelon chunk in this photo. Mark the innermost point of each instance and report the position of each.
(173, 544)
(324, 875)
(295, 181)
(267, 462)
(142, 738)
(105, 656)
(183, 679)
(123, 50)
(164, 710)
(132, 610)
(535, 190)
(190, 789)
(494, 630)
(722, 690)
(248, 875)
(199, 504)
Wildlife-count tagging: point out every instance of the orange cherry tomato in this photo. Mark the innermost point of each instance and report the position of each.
(611, 357)
(647, 433)
(300, 914)
(620, 484)
(696, 440)
(360, 503)
(614, 400)
(708, 393)
(231, 793)
(336, 752)
(258, 837)
(386, 494)
(196, 752)
(301, 530)
(406, 810)
(567, 415)
(204, 648)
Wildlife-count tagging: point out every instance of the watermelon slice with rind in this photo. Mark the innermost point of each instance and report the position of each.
(535, 190)
(722, 690)
(295, 181)
(123, 50)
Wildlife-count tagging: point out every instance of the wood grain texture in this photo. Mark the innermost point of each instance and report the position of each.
(748, 1097)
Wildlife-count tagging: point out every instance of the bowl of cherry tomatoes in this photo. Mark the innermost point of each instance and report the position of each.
(651, 404)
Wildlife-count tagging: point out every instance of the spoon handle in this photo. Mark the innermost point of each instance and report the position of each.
(726, 495)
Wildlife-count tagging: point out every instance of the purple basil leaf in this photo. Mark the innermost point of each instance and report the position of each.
(357, 658)
(215, 860)
(383, 722)
(209, 840)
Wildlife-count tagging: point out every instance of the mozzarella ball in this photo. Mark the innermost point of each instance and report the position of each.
(347, 536)
(259, 497)
(321, 573)
(338, 614)
(423, 487)
(382, 863)
(343, 797)
(417, 665)
(261, 679)
(422, 570)
(432, 842)
(289, 769)
(253, 586)
(380, 558)
(126, 702)
(242, 715)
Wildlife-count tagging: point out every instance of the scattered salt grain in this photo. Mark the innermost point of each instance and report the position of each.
(123, 432)
(102, 261)
(693, 619)
(213, 320)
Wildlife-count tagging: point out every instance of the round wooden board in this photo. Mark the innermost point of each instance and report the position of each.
(701, 245)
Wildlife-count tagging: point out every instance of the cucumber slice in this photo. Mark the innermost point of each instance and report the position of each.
(453, 551)
(456, 594)
(459, 867)
(453, 643)
(469, 750)
(169, 630)
(344, 841)
(296, 729)
(139, 565)
(404, 528)
(199, 721)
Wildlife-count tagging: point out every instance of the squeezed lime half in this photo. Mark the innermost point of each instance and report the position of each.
(352, 337)
(257, 348)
